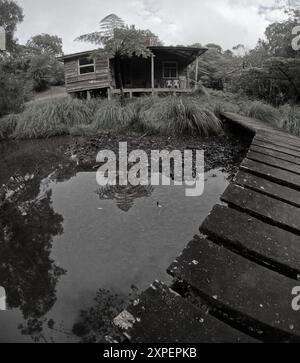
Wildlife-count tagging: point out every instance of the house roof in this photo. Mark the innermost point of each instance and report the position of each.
(187, 53)
(76, 55)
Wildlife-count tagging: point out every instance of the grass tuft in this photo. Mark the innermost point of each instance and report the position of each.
(181, 115)
(8, 125)
(52, 118)
(264, 112)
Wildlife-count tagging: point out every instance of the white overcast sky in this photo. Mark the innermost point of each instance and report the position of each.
(225, 22)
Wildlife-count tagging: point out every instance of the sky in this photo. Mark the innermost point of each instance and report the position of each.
(184, 22)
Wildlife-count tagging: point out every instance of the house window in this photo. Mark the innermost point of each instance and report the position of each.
(86, 65)
(170, 70)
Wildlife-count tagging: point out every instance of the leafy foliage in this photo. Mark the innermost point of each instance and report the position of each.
(46, 44)
(120, 41)
(45, 71)
(12, 91)
(10, 15)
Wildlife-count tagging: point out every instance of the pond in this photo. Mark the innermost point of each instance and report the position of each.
(62, 239)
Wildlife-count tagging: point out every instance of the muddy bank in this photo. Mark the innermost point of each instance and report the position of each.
(225, 151)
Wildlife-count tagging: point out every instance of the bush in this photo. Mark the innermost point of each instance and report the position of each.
(264, 112)
(169, 115)
(12, 93)
(112, 116)
(45, 71)
(290, 119)
(8, 125)
(52, 118)
(181, 115)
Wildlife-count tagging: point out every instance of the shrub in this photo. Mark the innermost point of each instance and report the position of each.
(265, 113)
(52, 118)
(112, 116)
(181, 115)
(8, 125)
(12, 93)
(290, 119)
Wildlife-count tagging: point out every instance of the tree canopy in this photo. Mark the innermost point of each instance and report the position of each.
(120, 41)
(46, 44)
(11, 14)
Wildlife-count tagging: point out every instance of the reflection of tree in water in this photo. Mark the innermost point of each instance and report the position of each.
(28, 224)
(124, 195)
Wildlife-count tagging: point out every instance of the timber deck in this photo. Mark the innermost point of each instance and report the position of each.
(234, 282)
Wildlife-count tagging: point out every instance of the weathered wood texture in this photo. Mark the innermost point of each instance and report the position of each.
(264, 186)
(259, 241)
(244, 270)
(253, 296)
(162, 316)
(76, 82)
(138, 74)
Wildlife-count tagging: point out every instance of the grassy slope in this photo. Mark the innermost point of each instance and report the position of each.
(195, 114)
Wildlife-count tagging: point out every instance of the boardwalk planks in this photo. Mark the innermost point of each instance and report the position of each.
(248, 293)
(246, 267)
(162, 316)
(264, 207)
(268, 245)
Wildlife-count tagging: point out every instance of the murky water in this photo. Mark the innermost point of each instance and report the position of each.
(62, 239)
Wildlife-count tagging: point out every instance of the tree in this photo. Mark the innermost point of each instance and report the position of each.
(240, 50)
(120, 42)
(11, 14)
(43, 69)
(46, 44)
(215, 46)
(279, 39)
(215, 67)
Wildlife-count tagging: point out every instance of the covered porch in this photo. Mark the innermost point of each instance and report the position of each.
(166, 71)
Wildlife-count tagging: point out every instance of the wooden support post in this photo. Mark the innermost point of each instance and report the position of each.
(188, 77)
(88, 96)
(196, 73)
(109, 93)
(152, 73)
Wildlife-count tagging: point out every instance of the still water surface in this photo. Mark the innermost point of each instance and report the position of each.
(62, 239)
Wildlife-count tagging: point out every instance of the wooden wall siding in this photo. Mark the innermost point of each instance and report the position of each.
(76, 82)
(136, 73)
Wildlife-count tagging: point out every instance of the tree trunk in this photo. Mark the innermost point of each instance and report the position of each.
(118, 72)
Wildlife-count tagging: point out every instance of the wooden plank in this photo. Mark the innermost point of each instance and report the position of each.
(162, 316)
(264, 186)
(272, 161)
(278, 136)
(266, 244)
(242, 291)
(276, 175)
(273, 147)
(268, 209)
(280, 143)
(275, 154)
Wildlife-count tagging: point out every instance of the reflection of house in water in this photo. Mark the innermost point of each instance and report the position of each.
(124, 195)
